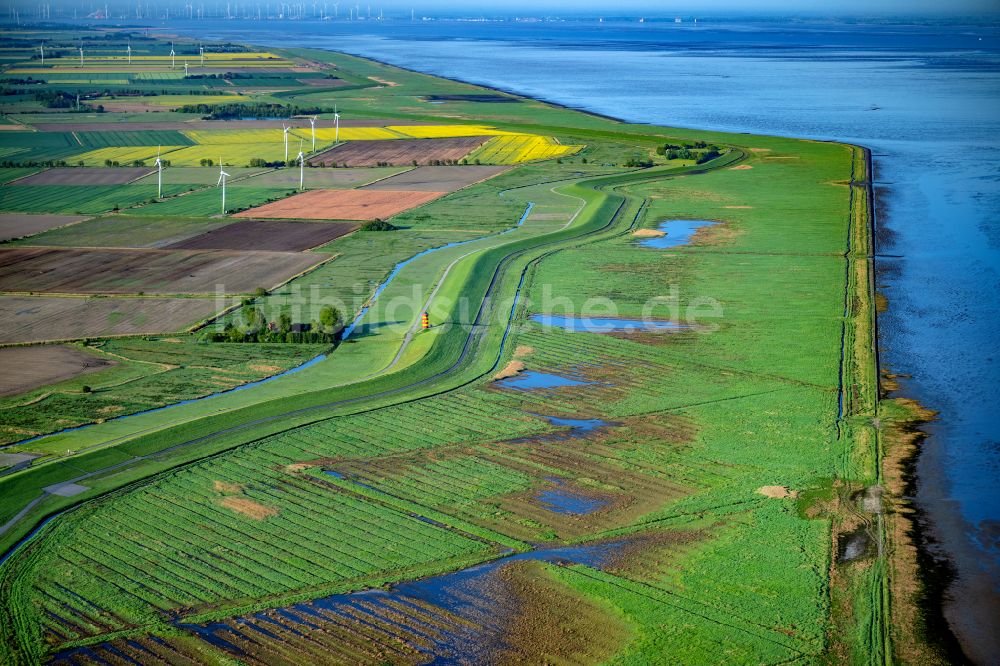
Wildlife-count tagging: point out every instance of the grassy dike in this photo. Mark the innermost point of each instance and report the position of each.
(783, 393)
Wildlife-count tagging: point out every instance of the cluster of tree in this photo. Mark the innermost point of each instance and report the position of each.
(377, 225)
(689, 151)
(71, 102)
(229, 47)
(11, 164)
(233, 111)
(228, 76)
(133, 163)
(638, 162)
(22, 82)
(258, 162)
(709, 155)
(255, 328)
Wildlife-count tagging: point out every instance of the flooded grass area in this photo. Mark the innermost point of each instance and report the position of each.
(563, 499)
(675, 233)
(533, 379)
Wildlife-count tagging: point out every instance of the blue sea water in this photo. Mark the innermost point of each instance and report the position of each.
(925, 98)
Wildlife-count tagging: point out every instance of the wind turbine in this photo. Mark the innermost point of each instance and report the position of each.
(336, 120)
(201, 50)
(81, 56)
(172, 54)
(312, 122)
(302, 167)
(185, 68)
(159, 174)
(222, 181)
(41, 48)
(128, 50)
(285, 129)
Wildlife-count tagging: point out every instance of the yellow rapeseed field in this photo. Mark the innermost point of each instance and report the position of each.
(444, 131)
(518, 148)
(219, 137)
(123, 155)
(348, 133)
(233, 154)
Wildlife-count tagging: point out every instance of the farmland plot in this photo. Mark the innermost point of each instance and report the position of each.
(124, 155)
(198, 175)
(14, 225)
(437, 178)
(120, 271)
(236, 154)
(132, 137)
(78, 199)
(70, 176)
(334, 179)
(271, 235)
(26, 368)
(518, 148)
(343, 205)
(126, 231)
(38, 318)
(398, 151)
(208, 202)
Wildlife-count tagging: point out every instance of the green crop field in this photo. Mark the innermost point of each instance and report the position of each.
(145, 138)
(660, 496)
(82, 199)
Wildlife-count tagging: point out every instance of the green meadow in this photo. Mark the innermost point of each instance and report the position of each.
(725, 460)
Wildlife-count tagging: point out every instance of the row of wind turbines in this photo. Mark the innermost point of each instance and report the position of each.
(300, 158)
(128, 55)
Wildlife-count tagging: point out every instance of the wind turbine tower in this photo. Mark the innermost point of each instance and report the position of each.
(302, 167)
(312, 122)
(172, 55)
(159, 174)
(285, 130)
(222, 181)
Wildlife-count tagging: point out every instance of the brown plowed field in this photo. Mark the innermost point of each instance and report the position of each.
(25, 368)
(127, 271)
(83, 176)
(437, 178)
(271, 235)
(399, 151)
(17, 225)
(35, 318)
(342, 204)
